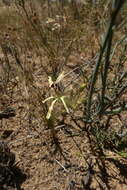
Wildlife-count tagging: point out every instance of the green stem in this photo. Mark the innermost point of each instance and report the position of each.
(106, 67)
(117, 4)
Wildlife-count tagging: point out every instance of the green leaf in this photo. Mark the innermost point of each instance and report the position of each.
(82, 87)
(64, 103)
(49, 98)
(123, 154)
(51, 109)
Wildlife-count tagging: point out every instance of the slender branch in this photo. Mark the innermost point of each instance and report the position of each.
(117, 110)
(116, 45)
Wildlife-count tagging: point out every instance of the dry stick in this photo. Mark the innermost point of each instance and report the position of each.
(117, 4)
(61, 165)
(23, 138)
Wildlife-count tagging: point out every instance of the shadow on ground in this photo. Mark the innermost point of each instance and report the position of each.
(11, 177)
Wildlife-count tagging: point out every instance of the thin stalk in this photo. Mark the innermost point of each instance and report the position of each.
(106, 67)
(117, 4)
